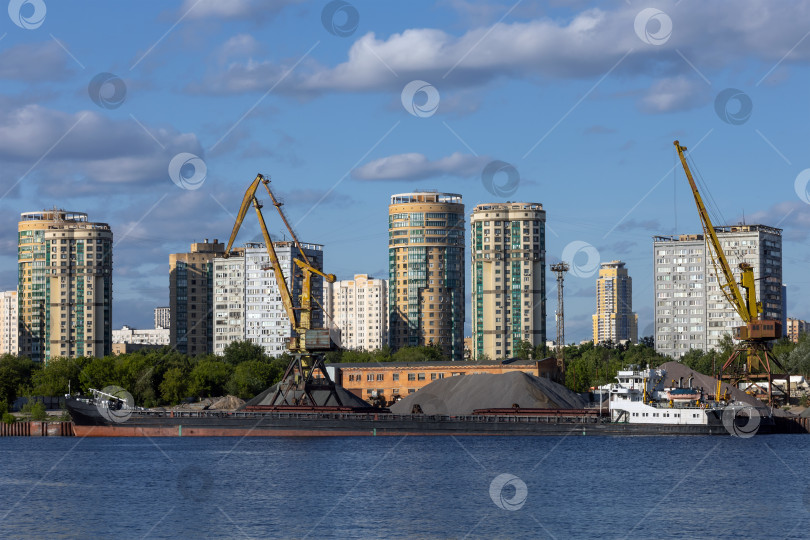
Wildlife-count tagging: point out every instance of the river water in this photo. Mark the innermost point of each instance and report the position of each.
(406, 487)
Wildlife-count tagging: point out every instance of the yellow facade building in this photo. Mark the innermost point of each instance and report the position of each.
(64, 285)
(426, 271)
(614, 321)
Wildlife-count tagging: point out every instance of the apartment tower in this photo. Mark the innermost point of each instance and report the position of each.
(191, 298)
(359, 309)
(426, 271)
(229, 300)
(508, 277)
(8, 323)
(64, 285)
(691, 311)
(795, 328)
(614, 321)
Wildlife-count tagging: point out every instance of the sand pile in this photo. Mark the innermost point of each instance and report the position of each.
(227, 403)
(321, 396)
(463, 394)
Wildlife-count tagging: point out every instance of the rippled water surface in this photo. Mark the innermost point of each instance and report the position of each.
(392, 487)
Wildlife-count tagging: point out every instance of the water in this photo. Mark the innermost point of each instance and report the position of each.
(392, 487)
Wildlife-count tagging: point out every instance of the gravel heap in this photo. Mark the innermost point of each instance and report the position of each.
(461, 395)
(224, 403)
(322, 398)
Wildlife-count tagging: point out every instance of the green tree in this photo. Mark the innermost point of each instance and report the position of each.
(209, 377)
(173, 387)
(35, 410)
(237, 352)
(15, 373)
(524, 350)
(57, 376)
(251, 377)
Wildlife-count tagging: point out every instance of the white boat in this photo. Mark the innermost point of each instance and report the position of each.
(640, 397)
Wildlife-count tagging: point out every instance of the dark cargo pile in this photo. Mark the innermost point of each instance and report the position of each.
(322, 398)
(461, 395)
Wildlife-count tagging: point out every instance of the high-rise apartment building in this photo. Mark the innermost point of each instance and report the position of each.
(508, 243)
(266, 321)
(614, 321)
(359, 309)
(191, 298)
(229, 300)
(795, 328)
(64, 285)
(691, 311)
(163, 317)
(9, 330)
(426, 271)
(150, 336)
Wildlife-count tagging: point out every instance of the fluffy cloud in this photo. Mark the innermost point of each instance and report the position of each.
(34, 62)
(587, 45)
(87, 146)
(416, 166)
(675, 94)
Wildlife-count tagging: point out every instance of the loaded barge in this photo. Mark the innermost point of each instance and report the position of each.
(639, 404)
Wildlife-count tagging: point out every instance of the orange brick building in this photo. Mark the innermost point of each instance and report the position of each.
(392, 380)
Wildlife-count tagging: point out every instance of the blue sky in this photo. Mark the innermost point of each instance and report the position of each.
(583, 99)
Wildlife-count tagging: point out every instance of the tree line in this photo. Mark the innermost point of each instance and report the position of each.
(167, 377)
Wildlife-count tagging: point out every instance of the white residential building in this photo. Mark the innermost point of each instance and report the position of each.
(163, 317)
(150, 336)
(229, 301)
(8, 323)
(691, 311)
(359, 309)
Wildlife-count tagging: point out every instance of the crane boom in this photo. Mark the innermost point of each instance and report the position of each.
(747, 307)
(301, 317)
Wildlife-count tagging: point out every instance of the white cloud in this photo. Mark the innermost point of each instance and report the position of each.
(416, 166)
(233, 9)
(584, 46)
(87, 146)
(34, 62)
(675, 94)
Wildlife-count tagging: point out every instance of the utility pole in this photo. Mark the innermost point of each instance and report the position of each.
(560, 269)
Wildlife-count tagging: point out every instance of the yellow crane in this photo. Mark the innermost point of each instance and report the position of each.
(309, 344)
(757, 331)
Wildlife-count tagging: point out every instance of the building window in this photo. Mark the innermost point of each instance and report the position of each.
(395, 376)
(421, 376)
(411, 376)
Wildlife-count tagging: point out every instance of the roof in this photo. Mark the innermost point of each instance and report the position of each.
(446, 363)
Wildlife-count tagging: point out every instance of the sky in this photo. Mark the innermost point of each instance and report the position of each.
(155, 116)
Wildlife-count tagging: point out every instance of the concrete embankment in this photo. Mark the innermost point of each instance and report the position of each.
(36, 429)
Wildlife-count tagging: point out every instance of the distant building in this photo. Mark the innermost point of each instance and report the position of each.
(150, 336)
(65, 285)
(359, 310)
(8, 323)
(191, 298)
(229, 300)
(508, 251)
(784, 309)
(795, 329)
(163, 317)
(426, 271)
(614, 321)
(691, 312)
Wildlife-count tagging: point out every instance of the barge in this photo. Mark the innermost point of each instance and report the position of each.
(638, 405)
